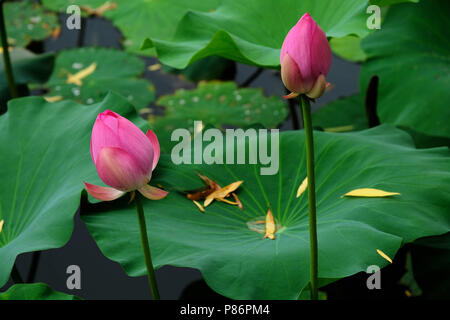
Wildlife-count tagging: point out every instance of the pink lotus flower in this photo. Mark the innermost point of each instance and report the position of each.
(124, 156)
(305, 59)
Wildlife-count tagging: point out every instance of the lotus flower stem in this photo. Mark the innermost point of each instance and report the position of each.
(6, 58)
(307, 123)
(146, 248)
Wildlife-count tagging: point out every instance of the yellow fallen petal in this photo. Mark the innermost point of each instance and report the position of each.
(80, 75)
(227, 201)
(222, 193)
(270, 226)
(302, 187)
(1, 225)
(53, 99)
(349, 127)
(370, 193)
(199, 206)
(384, 255)
(408, 293)
(154, 67)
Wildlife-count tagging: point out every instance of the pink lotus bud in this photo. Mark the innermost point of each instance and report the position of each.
(124, 156)
(305, 59)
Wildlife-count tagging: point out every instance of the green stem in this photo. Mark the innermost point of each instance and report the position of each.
(307, 123)
(15, 275)
(6, 58)
(146, 247)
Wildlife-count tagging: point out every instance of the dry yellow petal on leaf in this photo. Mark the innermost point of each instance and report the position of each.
(384, 255)
(1, 225)
(270, 226)
(53, 99)
(302, 187)
(370, 193)
(227, 201)
(222, 192)
(202, 193)
(349, 127)
(199, 206)
(80, 75)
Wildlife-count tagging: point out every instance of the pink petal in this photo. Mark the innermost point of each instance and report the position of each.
(318, 88)
(320, 53)
(291, 75)
(152, 193)
(155, 144)
(112, 130)
(102, 193)
(119, 169)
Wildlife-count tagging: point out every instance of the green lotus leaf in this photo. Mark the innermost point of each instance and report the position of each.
(114, 71)
(349, 48)
(219, 104)
(138, 19)
(44, 158)
(27, 21)
(253, 32)
(237, 262)
(34, 291)
(410, 54)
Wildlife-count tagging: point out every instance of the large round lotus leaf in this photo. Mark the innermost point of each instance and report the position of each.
(138, 19)
(102, 70)
(253, 31)
(44, 158)
(27, 21)
(410, 54)
(220, 104)
(238, 263)
(34, 291)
